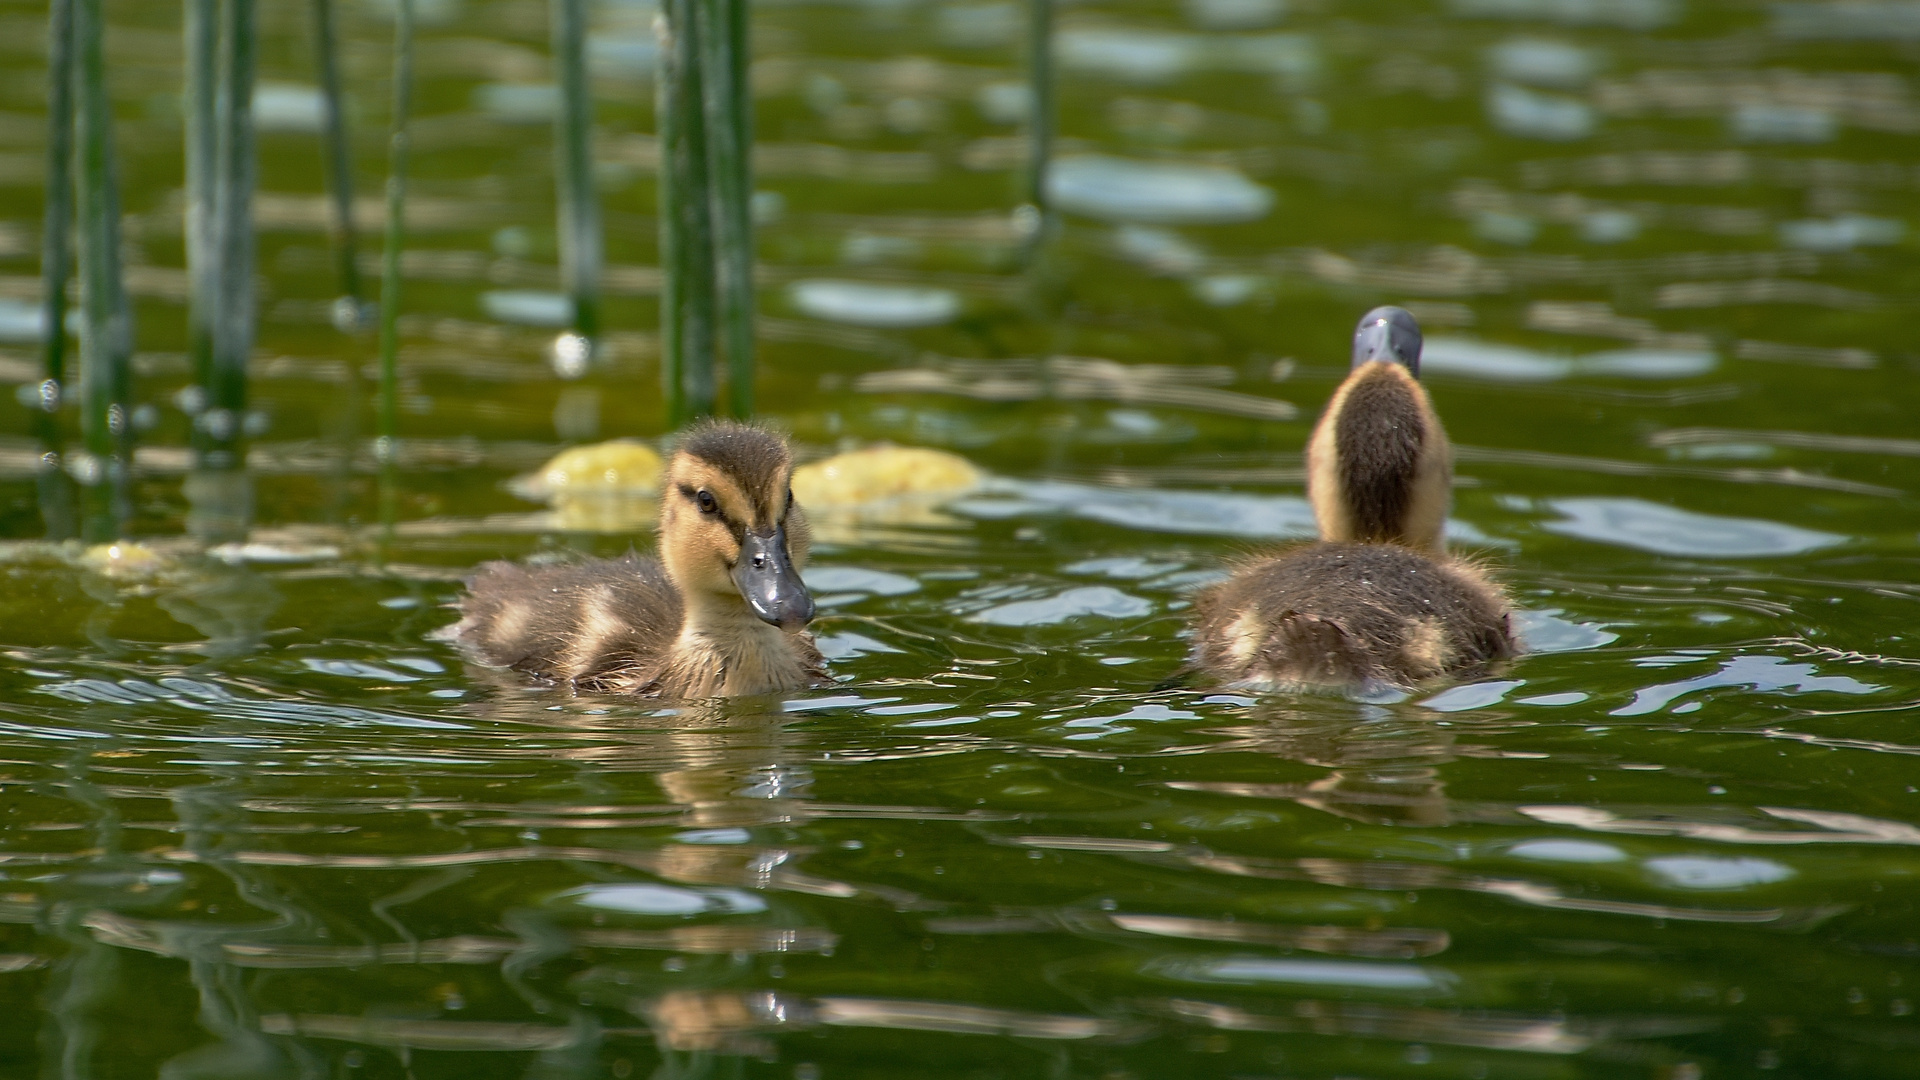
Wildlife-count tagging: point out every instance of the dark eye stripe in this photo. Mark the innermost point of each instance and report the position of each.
(692, 495)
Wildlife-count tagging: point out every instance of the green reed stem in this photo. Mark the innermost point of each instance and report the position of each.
(106, 329)
(686, 224)
(222, 424)
(397, 146)
(56, 265)
(56, 248)
(728, 112)
(348, 311)
(580, 241)
(201, 25)
(220, 48)
(1040, 91)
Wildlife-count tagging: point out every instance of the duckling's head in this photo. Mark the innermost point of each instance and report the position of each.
(729, 528)
(1379, 468)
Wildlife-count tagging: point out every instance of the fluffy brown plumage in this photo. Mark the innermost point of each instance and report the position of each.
(1349, 615)
(1377, 602)
(723, 612)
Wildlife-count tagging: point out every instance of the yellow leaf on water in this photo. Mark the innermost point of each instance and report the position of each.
(880, 474)
(123, 560)
(618, 467)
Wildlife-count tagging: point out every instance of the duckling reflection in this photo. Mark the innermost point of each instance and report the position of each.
(1384, 770)
(722, 767)
(1376, 603)
(723, 612)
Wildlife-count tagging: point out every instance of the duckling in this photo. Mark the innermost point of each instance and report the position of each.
(723, 611)
(1377, 602)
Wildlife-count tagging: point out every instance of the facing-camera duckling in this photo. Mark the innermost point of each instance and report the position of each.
(722, 612)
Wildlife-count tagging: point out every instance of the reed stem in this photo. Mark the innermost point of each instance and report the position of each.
(56, 266)
(729, 121)
(220, 47)
(686, 223)
(1040, 91)
(349, 310)
(580, 242)
(106, 329)
(224, 421)
(201, 25)
(397, 145)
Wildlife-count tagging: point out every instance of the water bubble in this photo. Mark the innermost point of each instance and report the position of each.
(1260, 969)
(1530, 114)
(859, 579)
(1759, 123)
(1568, 851)
(863, 304)
(346, 314)
(288, 107)
(1706, 872)
(1472, 696)
(1004, 102)
(571, 355)
(22, 322)
(518, 103)
(1842, 233)
(1235, 14)
(527, 307)
(1665, 530)
(1543, 62)
(631, 55)
(665, 900)
(1154, 192)
(1760, 673)
(1545, 631)
(1627, 14)
(1091, 600)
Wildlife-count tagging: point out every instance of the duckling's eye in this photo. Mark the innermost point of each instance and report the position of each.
(708, 504)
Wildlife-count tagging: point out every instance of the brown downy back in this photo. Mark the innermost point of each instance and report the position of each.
(569, 622)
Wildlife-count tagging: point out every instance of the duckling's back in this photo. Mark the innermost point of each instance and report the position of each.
(601, 625)
(1350, 615)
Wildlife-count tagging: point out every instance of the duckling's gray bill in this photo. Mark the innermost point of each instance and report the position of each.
(770, 584)
(1390, 334)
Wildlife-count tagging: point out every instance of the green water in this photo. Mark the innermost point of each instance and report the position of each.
(259, 823)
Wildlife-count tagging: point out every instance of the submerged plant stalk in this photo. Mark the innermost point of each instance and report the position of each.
(1041, 106)
(201, 24)
(223, 423)
(580, 242)
(349, 308)
(220, 47)
(56, 265)
(728, 113)
(386, 448)
(106, 329)
(686, 224)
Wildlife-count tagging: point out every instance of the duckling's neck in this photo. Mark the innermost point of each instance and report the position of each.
(724, 648)
(1379, 469)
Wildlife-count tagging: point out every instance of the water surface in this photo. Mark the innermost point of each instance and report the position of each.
(260, 823)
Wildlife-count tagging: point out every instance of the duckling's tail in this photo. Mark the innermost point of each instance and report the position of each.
(1307, 650)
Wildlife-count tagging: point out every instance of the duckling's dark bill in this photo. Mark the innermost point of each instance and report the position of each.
(770, 584)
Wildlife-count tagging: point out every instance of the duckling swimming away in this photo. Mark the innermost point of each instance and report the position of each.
(723, 612)
(1377, 602)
